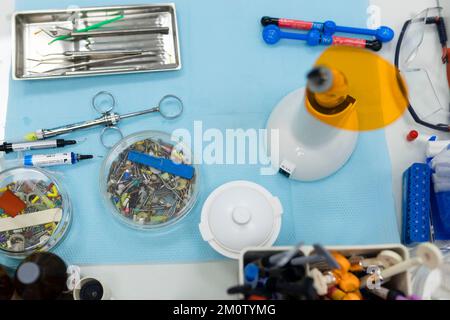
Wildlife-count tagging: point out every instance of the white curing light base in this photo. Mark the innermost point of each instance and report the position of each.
(308, 149)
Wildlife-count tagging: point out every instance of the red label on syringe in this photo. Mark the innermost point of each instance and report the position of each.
(295, 24)
(343, 41)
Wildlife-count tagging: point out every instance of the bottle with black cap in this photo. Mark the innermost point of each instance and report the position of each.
(6, 285)
(41, 276)
(90, 289)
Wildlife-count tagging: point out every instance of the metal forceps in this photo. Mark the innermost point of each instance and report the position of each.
(169, 107)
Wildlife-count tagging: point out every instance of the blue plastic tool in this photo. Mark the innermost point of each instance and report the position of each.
(383, 34)
(164, 165)
(272, 34)
(417, 205)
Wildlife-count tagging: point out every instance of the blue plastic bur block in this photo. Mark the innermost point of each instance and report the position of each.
(417, 205)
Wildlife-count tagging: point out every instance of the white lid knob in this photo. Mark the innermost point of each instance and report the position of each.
(241, 215)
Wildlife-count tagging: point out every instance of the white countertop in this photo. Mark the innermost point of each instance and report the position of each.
(210, 280)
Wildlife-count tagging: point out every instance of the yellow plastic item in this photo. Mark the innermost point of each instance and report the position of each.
(31, 137)
(35, 199)
(47, 202)
(54, 193)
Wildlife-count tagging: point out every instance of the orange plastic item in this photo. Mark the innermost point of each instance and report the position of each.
(349, 282)
(359, 294)
(342, 261)
(352, 297)
(11, 204)
(336, 294)
(337, 273)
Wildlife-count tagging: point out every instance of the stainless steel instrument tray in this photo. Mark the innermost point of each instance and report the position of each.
(30, 43)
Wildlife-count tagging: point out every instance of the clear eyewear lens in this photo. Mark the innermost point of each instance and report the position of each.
(423, 93)
(414, 36)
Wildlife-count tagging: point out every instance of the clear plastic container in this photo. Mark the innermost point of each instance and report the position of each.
(434, 284)
(35, 213)
(140, 196)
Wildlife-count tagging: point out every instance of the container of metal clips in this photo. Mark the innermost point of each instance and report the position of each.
(35, 212)
(149, 181)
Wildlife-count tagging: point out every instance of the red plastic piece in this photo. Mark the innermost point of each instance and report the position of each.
(352, 42)
(412, 136)
(256, 298)
(295, 24)
(11, 204)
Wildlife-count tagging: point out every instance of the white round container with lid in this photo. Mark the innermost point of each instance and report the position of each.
(36, 211)
(239, 215)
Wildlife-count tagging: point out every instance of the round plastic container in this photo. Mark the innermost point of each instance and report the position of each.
(140, 196)
(239, 215)
(433, 284)
(35, 213)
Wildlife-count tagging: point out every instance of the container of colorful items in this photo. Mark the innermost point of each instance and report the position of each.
(149, 181)
(322, 273)
(35, 212)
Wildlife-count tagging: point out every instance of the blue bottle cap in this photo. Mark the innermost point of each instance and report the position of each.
(385, 34)
(271, 34)
(251, 272)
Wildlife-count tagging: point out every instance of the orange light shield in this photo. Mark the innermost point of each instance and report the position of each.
(376, 87)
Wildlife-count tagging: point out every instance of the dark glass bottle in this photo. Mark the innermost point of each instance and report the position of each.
(6, 285)
(41, 276)
(91, 290)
